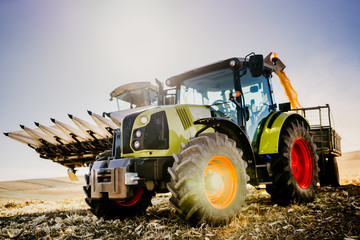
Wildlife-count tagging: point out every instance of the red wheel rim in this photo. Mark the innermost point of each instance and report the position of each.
(137, 195)
(301, 162)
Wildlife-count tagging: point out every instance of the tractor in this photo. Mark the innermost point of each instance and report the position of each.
(224, 132)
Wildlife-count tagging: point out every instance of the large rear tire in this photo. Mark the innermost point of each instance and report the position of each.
(294, 169)
(208, 180)
(111, 209)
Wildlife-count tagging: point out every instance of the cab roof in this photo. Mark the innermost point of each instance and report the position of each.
(130, 87)
(178, 79)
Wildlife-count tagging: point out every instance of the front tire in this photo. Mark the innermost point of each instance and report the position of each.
(208, 180)
(111, 209)
(295, 168)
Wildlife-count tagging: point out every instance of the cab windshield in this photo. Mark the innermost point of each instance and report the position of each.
(211, 89)
(136, 98)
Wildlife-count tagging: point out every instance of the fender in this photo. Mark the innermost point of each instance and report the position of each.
(233, 131)
(268, 138)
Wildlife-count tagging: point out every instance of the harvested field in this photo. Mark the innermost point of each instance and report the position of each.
(55, 209)
(335, 214)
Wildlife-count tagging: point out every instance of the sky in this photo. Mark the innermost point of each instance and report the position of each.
(60, 57)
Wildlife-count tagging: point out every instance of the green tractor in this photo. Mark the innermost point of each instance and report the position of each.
(223, 132)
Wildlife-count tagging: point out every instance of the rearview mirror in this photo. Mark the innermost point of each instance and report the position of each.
(284, 107)
(256, 64)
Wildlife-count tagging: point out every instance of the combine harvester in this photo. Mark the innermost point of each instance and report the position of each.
(214, 130)
(225, 131)
(77, 146)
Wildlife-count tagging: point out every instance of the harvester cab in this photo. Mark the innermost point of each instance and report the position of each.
(134, 95)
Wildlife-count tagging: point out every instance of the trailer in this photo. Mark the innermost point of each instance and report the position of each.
(327, 141)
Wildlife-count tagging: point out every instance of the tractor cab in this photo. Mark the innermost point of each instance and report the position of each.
(230, 89)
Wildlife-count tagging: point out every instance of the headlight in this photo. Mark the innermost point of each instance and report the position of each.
(138, 133)
(136, 144)
(143, 120)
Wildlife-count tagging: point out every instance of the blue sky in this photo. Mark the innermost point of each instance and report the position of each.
(60, 57)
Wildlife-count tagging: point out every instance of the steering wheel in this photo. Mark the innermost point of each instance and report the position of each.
(220, 105)
(226, 111)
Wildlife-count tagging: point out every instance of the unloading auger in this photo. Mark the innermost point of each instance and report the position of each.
(279, 66)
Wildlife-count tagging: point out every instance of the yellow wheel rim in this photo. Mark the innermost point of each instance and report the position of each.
(220, 182)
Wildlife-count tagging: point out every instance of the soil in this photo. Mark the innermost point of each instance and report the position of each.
(335, 214)
(55, 209)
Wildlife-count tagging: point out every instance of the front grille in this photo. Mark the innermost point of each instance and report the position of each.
(185, 116)
(156, 135)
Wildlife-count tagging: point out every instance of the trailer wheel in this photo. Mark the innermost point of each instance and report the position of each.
(208, 180)
(295, 168)
(331, 176)
(111, 209)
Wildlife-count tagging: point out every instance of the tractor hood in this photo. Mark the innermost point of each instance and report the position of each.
(118, 116)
